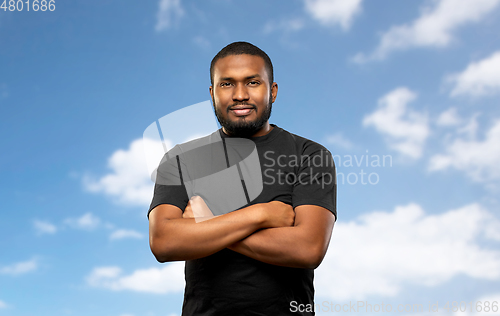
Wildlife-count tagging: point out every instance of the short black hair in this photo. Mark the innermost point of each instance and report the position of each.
(239, 48)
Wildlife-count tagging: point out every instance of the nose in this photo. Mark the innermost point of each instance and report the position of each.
(240, 93)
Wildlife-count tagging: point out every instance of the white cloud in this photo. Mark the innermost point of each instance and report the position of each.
(168, 279)
(170, 11)
(3, 304)
(339, 140)
(449, 118)
(43, 227)
(20, 267)
(87, 221)
(128, 181)
(125, 233)
(478, 79)
(334, 12)
(469, 128)
(478, 159)
(380, 252)
(434, 27)
(202, 42)
(286, 25)
(405, 130)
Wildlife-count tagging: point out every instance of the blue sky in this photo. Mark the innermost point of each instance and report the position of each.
(415, 81)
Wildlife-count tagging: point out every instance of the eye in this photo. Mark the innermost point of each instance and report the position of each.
(224, 84)
(253, 83)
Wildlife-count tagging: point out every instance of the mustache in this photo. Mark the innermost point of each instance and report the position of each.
(240, 104)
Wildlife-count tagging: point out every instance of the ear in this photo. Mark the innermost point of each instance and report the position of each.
(274, 91)
(211, 90)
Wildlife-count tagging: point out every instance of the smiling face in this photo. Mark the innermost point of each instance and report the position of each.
(242, 95)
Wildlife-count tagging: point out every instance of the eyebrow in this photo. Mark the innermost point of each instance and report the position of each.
(246, 78)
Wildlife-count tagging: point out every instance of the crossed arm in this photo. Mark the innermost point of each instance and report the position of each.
(302, 245)
(269, 232)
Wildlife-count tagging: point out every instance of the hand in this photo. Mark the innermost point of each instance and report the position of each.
(198, 209)
(278, 214)
(188, 211)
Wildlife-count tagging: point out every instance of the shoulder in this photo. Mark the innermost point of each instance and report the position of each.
(195, 143)
(303, 145)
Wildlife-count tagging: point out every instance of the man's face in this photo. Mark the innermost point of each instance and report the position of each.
(242, 95)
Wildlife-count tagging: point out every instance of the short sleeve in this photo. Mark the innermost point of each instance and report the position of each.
(169, 194)
(169, 187)
(316, 182)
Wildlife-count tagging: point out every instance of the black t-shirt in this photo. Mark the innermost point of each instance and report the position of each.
(296, 171)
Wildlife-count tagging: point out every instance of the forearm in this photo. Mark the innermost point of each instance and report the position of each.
(284, 246)
(185, 239)
(300, 246)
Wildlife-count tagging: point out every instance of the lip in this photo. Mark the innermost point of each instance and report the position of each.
(241, 111)
(241, 107)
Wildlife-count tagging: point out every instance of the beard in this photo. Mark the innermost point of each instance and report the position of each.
(244, 128)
